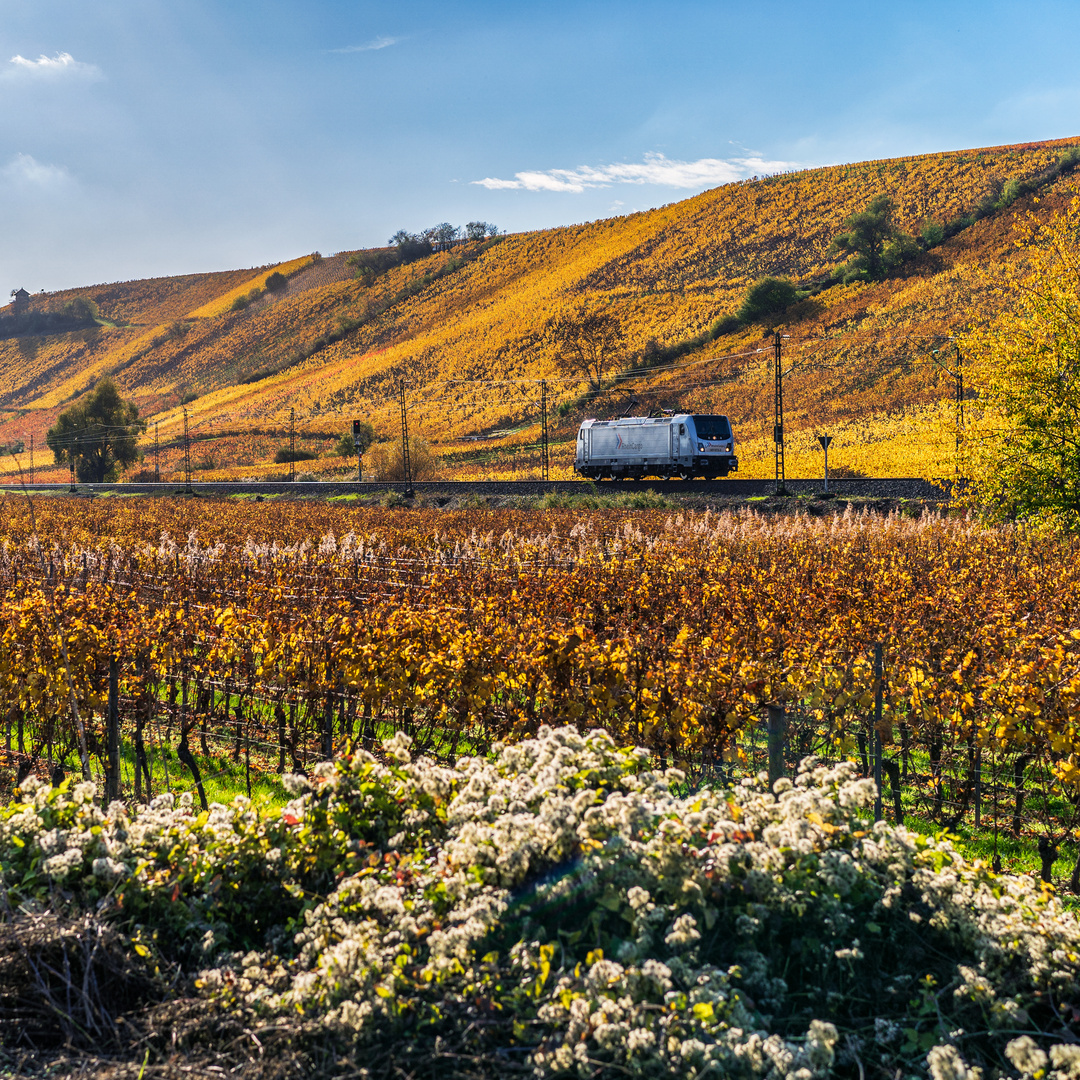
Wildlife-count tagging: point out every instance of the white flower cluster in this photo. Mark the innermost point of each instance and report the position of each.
(60, 845)
(580, 825)
(1031, 1061)
(626, 924)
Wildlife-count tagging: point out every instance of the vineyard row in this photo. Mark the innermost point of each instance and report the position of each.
(676, 632)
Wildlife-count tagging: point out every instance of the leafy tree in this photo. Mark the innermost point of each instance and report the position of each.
(284, 455)
(277, 282)
(876, 246)
(932, 233)
(82, 308)
(443, 235)
(767, 297)
(372, 262)
(479, 230)
(587, 339)
(246, 300)
(1021, 455)
(98, 433)
(410, 247)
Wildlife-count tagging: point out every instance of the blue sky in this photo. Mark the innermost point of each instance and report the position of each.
(140, 138)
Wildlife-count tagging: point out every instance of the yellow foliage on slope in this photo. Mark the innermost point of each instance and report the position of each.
(467, 334)
(486, 320)
(224, 303)
(151, 301)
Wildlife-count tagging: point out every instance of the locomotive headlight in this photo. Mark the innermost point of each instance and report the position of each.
(701, 447)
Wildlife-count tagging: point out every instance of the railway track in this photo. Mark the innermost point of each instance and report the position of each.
(728, 488)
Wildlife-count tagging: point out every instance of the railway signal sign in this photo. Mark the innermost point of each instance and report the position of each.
(778, 419)
(825, 440)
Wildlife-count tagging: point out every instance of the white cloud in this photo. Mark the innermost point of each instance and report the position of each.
(655, 169)
(25, 172)
(381, 42)
(51, 67)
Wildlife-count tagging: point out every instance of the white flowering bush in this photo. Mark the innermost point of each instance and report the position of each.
(564, 904)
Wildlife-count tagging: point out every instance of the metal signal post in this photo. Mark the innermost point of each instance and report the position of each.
(292, 446)
(543, 430)
(825, 440)
(187, 457)
(31, 460)
(406, 464)
(359, 452)
(778, 421)
(157, 455)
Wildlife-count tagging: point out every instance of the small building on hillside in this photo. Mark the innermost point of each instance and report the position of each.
(20, 300)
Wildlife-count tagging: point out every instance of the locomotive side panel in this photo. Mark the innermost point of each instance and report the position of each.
(631, 443)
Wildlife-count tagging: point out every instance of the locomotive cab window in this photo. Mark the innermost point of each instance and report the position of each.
(713, 428)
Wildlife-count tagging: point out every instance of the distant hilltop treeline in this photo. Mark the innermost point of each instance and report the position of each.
(406, 247)
(76, 314)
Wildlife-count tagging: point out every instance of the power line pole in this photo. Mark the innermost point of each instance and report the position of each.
(31, 459)
(778, 419)
(72, 447)
(292, 445)
(405, 460)
(543, 430)
(187, 457)
(157, 456)
(958, 378)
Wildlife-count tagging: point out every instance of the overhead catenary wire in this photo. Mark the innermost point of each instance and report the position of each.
(207, 427)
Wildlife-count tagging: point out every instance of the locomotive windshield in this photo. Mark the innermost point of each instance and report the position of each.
(712, 427)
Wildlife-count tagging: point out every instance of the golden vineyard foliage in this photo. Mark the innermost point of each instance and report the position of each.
(155, 301)
(223, 303)
(466, 329)
(669, 630)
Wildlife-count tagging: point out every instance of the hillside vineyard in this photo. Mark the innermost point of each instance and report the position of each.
(466, 331)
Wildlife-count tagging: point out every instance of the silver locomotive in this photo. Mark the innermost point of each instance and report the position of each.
(683, 445)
